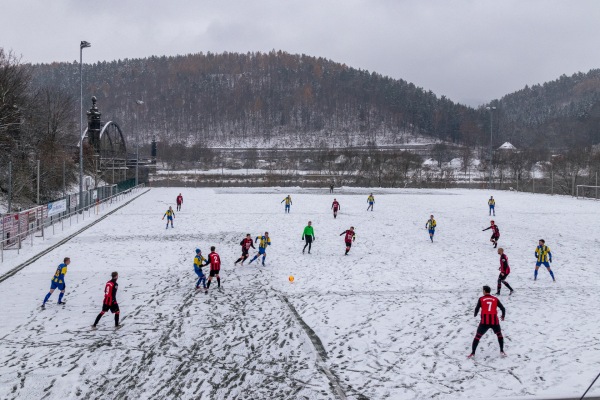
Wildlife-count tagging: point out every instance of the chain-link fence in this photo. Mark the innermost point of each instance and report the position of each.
(21, 228)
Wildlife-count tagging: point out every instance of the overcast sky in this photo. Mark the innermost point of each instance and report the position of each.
(472, 51)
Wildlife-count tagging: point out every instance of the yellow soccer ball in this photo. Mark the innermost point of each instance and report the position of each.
(291, 278)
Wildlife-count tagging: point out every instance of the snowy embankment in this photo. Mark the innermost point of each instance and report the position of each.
(394, 317)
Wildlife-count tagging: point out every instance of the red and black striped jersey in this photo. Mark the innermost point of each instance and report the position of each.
(247, 243)
(215, 261)
(504, 267)
(110, 292)
(349, 235)
(489, 313)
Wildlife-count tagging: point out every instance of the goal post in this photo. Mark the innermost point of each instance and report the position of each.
(587, 192)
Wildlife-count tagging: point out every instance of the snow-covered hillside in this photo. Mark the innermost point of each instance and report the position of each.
(392, 320)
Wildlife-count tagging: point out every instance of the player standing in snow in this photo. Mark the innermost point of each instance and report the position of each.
(543, 257)
(495, 233)
(335, 206)
(215, 267)
(504, 272)
(430, 225)
(331, 188)
(58, 282)
(170, 214)
(262, 247)
(110, 300)
(492, 205)
(246, 243)
(198, 260)
(371, 201)
(350, 237)
(309, 236)
(179, 202)
(489, 319)
(288, 203)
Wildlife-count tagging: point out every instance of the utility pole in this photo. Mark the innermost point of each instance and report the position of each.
(38, 182)
(82, 45)
(9, 186)
(491, 109)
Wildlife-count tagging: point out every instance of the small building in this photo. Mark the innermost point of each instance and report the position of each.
(507, 146)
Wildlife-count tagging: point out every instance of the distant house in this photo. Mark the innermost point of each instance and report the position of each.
(507, 146)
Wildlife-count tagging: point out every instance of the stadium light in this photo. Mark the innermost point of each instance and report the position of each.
(82, 46)
(491, 109)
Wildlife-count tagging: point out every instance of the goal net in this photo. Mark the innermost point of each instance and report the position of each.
(588, 192)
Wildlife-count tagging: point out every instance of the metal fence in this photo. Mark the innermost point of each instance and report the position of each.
(20, 228)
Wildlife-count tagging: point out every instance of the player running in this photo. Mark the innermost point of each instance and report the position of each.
(504, 272)
(492, 205)
(309, 236)
(170, 214)
(495, 233)
(215, 267)
(262, 247)
(110, 300)
(430, 225)
(198, 260)
(288, 203)
(543, 257)
(350, 237)
(179, 202)
(489, 319)
(246, 243)
(335, 206)
(371, 201)
(58, 282)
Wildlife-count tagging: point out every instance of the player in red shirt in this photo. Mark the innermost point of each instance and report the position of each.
(335, 206)
(489, 319)
(110, 300)
(495, 233)
(179, 202)
(504, 272)
(246, 244)
(215, 266)
(350, 237)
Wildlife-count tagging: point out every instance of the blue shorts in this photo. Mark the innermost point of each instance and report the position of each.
(371, 203)
(492, 207)
(198, 272)
(287, 206)
(56, 285)
(431, 231)
(169, 218)
(545, 264)
(262, 250)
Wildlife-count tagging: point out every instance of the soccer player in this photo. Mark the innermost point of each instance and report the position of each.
(331, 188)
(110, 300)
(215, 267)
(489, 319)
(492, 204)
(335, 206)
(430, 225)
(543, 257)
(262, 247)
(288, 203)
(495, 233)
(170, 214)
(371, 201)
(350, 237)
(504, 272)
(58, 282)
(246, 243)
(179, 202)
(198, 260)
(309, 236)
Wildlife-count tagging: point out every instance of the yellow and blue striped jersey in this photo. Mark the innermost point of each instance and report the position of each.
(430, 224)
(169, 213)
(198, 260)
(59, 275)
(288, 201)
(264, 241)
(542, 253)
(491, 202)
(371, 199)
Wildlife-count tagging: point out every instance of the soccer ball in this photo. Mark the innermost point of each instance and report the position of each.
(291, 278)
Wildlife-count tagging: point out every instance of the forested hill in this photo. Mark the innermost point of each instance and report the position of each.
(561, 113)
(263, 99)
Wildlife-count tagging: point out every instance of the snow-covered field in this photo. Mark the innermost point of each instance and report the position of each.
(393, 320)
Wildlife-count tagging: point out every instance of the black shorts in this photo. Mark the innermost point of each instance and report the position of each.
(213, 272)
(496, 237)
(348, 244)
(502, 276)
(483, 328)
(244, 252)
(308, 239)
(114, 308)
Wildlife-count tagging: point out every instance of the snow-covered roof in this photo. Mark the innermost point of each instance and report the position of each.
(507, 146)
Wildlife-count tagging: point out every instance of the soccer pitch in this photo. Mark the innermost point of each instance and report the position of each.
(392, 320)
